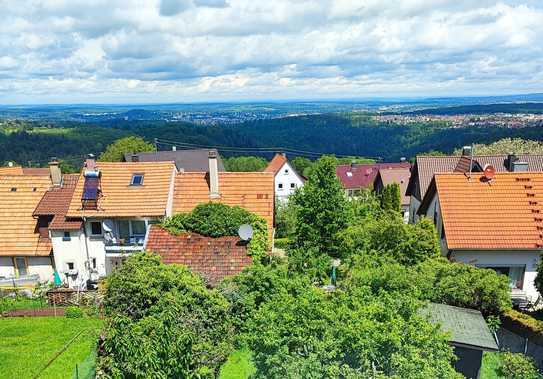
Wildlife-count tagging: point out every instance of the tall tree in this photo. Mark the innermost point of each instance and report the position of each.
(390, 198)
(245, 164)
(116, 151)
(321, 209)
(507, 145)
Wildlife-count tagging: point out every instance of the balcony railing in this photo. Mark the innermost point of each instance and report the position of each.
(115, 244)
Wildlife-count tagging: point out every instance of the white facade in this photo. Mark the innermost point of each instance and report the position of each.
(105, 244)
(519, 266)
(11, 267)
(287, 180)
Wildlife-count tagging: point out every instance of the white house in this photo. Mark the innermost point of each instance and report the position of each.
(287, 179)
(491, 220)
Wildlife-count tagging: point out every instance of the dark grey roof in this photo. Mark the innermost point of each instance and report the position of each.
(196, 160)
(466, 327)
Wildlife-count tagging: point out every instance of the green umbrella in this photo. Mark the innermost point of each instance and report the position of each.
(57, 280)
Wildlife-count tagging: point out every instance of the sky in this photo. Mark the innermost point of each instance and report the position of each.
(152, 51)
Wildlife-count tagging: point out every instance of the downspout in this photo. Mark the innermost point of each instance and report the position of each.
(87, 265)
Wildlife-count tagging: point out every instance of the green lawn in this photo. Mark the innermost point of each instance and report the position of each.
(11, 304)
(238, 366)
(490, 365)
(28, 343)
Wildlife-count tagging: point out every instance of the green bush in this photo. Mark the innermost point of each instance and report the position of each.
(517, 366)
(531, 323)
(162, 322)
(219, 220)
(73, 312)
(281, 243)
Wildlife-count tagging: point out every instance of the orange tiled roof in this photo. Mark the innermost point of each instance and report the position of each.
(505, 213)
(18, 170)
(276, 163)
(250, 190)
(19, 195)
(119, 199)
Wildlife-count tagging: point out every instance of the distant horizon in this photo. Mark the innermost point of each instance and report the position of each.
(390, 99)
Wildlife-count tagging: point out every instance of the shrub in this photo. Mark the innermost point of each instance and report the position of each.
(162, 322)
(531, 323)
(517, 366)
(219, 220)
(73, 312)
(281, 243)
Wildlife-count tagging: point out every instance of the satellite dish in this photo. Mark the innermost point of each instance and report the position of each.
(489, 172)
(107, 225)
(245, 232)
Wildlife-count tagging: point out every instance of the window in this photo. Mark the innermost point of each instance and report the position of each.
(280, 186)
(21, 266)
(93, 262)
(96, 228)
(349, 174)
(137, 180)
(132, 231)
(70, 265)
(138, 228)
(515, 274)
(292, 185)
(67, 236)
(286, 171)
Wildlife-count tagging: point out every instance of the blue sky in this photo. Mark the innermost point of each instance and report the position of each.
(148, 51)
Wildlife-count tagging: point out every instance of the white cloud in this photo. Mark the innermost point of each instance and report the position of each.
(190, 50)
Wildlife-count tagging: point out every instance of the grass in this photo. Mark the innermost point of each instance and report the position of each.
(11, 304)
(238, 365)
(489, 367)
(28, 343)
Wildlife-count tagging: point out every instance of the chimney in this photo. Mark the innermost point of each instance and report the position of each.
(519, 166)
(213, 175)
(174, 148)
(90, 162)
(466, 151)
(55, 173)
(511, 159)
(135, 158)
(403, 159)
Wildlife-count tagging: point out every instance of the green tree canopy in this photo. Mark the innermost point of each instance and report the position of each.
(390, 198)
(116, 151)
(321, 210)
(162, 323)
(245, 164)
(505, 146)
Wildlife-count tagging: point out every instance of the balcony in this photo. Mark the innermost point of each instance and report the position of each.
(125, 236)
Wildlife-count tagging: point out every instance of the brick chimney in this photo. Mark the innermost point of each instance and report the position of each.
(135, 158)
(213, 175)
(55, 172)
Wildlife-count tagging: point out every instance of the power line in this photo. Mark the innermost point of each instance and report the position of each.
(187, 145)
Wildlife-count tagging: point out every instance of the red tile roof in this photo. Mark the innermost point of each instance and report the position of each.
(505, 213)
(354, 176)
(56, 202)
(213, 258)
(276, 163)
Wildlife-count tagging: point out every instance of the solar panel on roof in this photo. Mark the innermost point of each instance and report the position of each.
(90, 189)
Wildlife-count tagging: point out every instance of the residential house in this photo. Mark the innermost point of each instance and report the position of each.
(355, 177)
(287, 179)
(492, 221)
(400, 176)
(191, 160)
(116, 203)
(426, 166)
(25, 247)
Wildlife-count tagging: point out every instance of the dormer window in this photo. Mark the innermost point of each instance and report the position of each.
(137, 180)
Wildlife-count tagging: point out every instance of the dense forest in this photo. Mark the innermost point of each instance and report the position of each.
(345, 134)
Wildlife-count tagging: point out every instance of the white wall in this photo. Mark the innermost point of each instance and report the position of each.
(505, 258)
(286, 176)
(6, 267)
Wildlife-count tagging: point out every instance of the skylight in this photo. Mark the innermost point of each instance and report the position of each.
(137, 180)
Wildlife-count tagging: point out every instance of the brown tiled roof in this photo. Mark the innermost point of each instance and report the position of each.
(427, 166)
(505, 213)
(276, 163)
(119, 198)
(56, 201)
(19, 234)
(250, 190)
(213, 258)
(396, 175)
(15, 170)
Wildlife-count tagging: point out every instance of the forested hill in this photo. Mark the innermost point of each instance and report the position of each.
(513, 108)
(348, 134)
